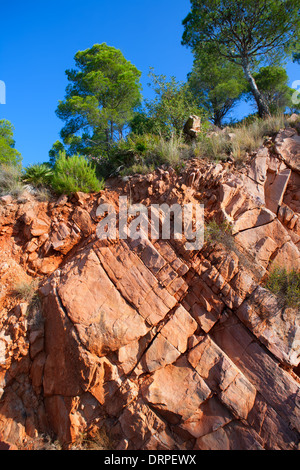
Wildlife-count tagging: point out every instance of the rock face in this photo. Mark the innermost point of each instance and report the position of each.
(162, 347)
(192, 127)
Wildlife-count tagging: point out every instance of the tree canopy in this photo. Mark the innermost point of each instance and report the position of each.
(272, 81)
(168, 111)
(245, 32)
(103, 92)
(217, 84)
(8, 153)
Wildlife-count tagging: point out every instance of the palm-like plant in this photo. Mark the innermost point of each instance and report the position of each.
(38, 175)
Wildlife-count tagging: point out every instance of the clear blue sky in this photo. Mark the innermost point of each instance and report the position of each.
(40, 38)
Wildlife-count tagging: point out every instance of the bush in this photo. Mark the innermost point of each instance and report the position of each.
(10, 180)
(72, 174)
(286, 285)
(38, 175)
(142, 154)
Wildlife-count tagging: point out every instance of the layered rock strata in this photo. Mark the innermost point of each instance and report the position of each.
(161, 347)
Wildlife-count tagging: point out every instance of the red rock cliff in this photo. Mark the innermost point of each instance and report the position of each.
(162, 347)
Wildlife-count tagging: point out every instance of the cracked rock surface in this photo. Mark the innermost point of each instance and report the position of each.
(163, 347)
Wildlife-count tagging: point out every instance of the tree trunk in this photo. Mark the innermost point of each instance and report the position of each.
(111, 131)
(263, 108)
(217, 120)
(107, 137)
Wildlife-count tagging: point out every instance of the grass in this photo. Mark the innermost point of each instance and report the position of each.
(43, 194)
(13, 181)
(97, 440)
(248, 138)
(26, 291)
(286, 285)
(140, 154)
(138, 168)
(143, 153)
(171, 151)
(216, 147)
(10, 180)
(239, 140)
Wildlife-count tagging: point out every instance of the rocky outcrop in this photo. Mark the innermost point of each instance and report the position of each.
(161, 347)
(192, 127)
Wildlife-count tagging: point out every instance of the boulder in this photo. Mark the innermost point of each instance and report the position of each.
(192, 127)
(83, 220)
(287, 145)
(275, 191)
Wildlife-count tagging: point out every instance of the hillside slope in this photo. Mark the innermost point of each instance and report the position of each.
(146, 342)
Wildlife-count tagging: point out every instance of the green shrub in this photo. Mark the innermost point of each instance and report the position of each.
(143, 153)
(38, 175)
(72, 174)
(219, 233)
(10, 180)
(286, 285)
(141, 144)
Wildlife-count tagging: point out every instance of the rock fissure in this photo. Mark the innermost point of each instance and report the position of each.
(168, 349)
(256, 226)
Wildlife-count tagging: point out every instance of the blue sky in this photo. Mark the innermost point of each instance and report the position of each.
(39, 40)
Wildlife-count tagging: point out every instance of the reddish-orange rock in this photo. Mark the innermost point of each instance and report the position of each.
(143, 341)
